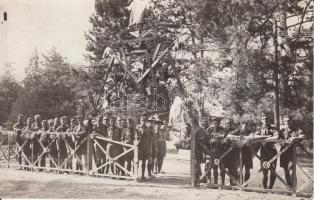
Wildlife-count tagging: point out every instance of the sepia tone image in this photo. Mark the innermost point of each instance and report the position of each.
(156, 99)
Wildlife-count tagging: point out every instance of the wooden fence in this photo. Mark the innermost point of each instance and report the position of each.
(69, 152)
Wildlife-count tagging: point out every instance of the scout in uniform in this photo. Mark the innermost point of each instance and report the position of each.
(204, 123)
(27, 134)
(44, 140)
(114, 133)
(70, 138)
(162, 147)
(268, 151)
(80, 134)
(216, 134)
(36, 136)
(247, 158)
(155, 127)
(231, 159)
(145, 145)
(128, 136)
(291, 134)
(100, 156)
(54, 147)
(18, 128)
(62, 147)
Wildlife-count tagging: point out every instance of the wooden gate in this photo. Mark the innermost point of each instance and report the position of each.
(299, 154)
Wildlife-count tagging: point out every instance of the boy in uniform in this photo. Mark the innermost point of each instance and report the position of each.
(291, 134)
(145, 145)
(268, 151)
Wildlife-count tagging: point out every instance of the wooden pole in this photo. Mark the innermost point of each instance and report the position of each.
(241, 166)
(9, 143)
(276, 79)
(294, 170)
(32, 155)
(135, 160)
(193, 160)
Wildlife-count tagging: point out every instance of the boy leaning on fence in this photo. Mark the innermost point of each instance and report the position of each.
(291, 134)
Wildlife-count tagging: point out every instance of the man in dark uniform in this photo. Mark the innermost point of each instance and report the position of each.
(291, 134)
(268, 151)
(18, 128)
(231, 159)
(128, 136)
(145, 145)
(114, 133)
(155, 125)
(247, 159)
(80, 134)
(100, 129)
(162, 147)
(216, 135)
(62, 147)
(35, 137)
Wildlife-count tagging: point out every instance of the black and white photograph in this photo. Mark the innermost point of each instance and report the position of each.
(156, 99)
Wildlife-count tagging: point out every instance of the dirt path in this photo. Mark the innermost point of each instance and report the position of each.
(172, 185)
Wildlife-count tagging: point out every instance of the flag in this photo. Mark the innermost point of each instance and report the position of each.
(137, 8)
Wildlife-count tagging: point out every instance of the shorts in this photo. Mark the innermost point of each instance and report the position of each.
(286, 157)
(162, 148)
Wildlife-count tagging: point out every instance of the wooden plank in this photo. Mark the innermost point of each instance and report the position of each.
(153, 65)
(141, 39)
(156, 51)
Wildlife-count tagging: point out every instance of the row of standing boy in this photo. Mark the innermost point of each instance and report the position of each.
(215, 140)
(151, 134)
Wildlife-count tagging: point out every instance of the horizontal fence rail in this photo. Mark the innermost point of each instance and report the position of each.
(69, 152)
(234, 149)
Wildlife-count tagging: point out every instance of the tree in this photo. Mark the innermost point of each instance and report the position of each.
(51, 88)
(9, 93)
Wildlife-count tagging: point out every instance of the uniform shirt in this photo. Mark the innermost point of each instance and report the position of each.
(114, 133)
(288, 132)
(62, 128)
(27, 131)
(145, 135)
(128, 135)
(18, 127)
(215, 133)
(267, 130)
(101, 130)
(36, 126)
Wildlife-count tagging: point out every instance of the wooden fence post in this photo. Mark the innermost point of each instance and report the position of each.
(89, 145)
(241, 166)
(32, 154)
(294, 170)
(9, 146)
(193, 161)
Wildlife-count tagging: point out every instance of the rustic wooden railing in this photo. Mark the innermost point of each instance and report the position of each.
(52, 151)
(299, 151)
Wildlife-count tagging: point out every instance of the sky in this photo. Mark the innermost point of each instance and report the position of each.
(41, 25)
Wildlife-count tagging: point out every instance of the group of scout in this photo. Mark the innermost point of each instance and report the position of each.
(38, 134)
(151, 134)
(213, 141)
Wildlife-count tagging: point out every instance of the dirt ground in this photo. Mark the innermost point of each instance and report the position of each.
(174, 184)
